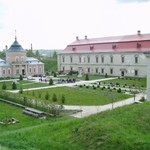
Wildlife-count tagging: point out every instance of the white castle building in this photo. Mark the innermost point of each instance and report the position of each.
(116, 56)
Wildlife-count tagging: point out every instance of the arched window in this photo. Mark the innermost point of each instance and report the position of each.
(17, 59)
(22, 58)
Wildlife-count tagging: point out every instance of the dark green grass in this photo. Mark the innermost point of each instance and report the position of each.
(123, 128)
(25, 84)
(79, 96)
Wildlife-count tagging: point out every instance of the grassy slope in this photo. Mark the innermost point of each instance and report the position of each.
(123, 128)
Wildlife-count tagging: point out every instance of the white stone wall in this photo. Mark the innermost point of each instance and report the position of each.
(128, 66)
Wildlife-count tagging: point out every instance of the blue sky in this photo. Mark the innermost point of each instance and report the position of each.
(52, 24)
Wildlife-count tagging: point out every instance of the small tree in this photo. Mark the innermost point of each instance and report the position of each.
(106, 75)
(14, 86)
(50, 82)
(21, 78)
(54, 98)
(63, 99)
(46, 96)
(86, 77)
(4, 87)
(55, 75)
(21, 90)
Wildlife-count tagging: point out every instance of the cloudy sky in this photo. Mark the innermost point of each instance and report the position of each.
(52, 24)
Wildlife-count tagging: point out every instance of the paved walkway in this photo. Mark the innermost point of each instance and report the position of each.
(89, 110)
(61, 85)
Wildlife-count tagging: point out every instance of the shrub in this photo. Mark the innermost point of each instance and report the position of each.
(106, 75)
(119, 90)
(86, 77)
(54, 98)
(55, 75)
(142, 99)
(21, 78)
(4, 87)
(87, 86)
(46, 96)
(50, 82)
(14, 86)
(80, 86)
(94, 87)
(21, 90)
(63, 99)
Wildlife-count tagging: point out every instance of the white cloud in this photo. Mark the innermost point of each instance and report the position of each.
(54, 24)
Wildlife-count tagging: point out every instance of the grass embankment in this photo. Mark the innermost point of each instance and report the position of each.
(78, 96)
(122, 128)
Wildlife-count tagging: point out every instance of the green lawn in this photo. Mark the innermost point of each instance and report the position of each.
(122, 128)
(129, 81)
(25, 84)
(78, 96)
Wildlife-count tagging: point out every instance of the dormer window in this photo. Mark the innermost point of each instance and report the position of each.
(73, 48)
(113, 46)
(91, 47)
(138, 45)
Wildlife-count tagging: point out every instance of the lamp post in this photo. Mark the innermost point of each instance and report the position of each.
(147, 54)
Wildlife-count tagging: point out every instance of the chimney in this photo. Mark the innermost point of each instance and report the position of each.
(6, 48)
(77, 38)
(85, 37)
(138, 32)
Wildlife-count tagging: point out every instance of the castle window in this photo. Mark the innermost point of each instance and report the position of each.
(79, 59)
(63, 59)
(4, 71)
(9, 71)
(136, 72)
(88, 70)
(111, 71)
(17, 59)
(22, 58)
(88, 58)
(71, 59)
(111, 59)
(136, 59)
(96, 70)
(122, 59)
(102, 70)
(102, 59)
(96, 59)
(30, 70)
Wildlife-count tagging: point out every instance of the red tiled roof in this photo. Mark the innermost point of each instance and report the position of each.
(138, 42)
(112, 39)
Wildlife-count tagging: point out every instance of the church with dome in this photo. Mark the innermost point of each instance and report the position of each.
(17, 63)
